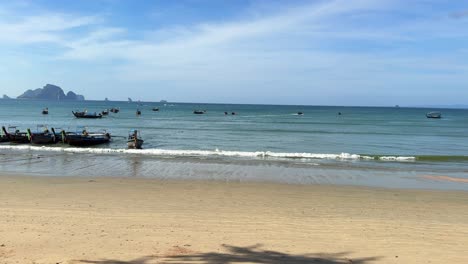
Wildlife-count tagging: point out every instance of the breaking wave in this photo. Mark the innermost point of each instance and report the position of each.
(208, 153)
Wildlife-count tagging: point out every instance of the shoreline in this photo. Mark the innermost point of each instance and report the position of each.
(437, 178)
(308, 172)
(97, 219)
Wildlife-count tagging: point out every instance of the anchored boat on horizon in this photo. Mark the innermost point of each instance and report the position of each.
(436, 115)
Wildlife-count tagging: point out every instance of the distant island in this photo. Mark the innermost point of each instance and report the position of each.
(51, 92)
(6, 97)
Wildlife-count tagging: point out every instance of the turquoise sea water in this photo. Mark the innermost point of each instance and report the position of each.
(362, 139)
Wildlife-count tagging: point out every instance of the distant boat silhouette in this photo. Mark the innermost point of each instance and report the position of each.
(436, 115)
(85, 114)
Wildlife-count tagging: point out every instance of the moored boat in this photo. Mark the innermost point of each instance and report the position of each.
(15, 136)
(114, 110)
(138, 112)
(45, 111)
(199, 112)
(85, 114)
(44, 137)
(155, 109)
(85, 138)
(436, 115)
(134, 140)
(105, 112)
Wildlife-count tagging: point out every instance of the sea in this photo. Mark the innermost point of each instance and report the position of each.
(388, 147)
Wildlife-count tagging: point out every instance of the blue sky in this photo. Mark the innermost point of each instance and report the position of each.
(338, 52)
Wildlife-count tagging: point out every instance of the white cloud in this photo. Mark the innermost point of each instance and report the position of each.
(48, 27)
(182, 43)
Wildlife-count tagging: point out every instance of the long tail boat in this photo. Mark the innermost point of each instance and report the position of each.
(85, 138)
(85, 114)
(134, 140)
(44, 137)
(15, 136)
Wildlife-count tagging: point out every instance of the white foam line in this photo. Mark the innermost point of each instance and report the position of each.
(182, 153)
(397, 158)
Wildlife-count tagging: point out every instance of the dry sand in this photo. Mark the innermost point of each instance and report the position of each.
(141, 221)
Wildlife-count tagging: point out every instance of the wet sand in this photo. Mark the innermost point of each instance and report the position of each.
(445, 178)
(140, 221)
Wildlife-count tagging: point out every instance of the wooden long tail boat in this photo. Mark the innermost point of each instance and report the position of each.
(85, 138)
(134, 140)
(86, 115)
(15, 136)
(45, 111)
(45, 137)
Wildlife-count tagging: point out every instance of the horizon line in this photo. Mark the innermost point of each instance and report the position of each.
(453, 106)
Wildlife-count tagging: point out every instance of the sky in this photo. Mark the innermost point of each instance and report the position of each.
(318, 52)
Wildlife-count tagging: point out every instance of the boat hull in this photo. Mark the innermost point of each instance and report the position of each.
(85, 141)
(18, 139)
(83, 115)
(44, 139)
(132, 144)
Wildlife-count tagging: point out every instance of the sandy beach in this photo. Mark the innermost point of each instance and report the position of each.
(141, 221)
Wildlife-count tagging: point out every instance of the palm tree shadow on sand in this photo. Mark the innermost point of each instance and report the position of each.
(251, 254)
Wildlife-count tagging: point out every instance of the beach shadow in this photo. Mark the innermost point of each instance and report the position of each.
(250, 254)
(142, 260)
(254, 254)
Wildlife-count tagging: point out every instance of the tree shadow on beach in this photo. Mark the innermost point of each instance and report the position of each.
(142, 260)
(251, 254)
